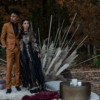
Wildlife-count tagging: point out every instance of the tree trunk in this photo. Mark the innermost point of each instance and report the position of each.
(22, 3)
(44, 8)
(38, 25)
(44, 18)
(58, 15)
(94, 50)
(18, 2)
(88, 47)
(59, 21)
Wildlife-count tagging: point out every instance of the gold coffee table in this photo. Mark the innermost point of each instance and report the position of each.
(68, 92)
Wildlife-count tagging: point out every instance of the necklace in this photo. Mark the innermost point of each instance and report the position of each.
(25, 32)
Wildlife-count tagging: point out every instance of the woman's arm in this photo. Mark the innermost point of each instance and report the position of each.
(35, 45)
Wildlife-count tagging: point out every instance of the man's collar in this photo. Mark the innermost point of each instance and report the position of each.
(14, 23)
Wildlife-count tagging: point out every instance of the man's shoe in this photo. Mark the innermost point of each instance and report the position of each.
(18, 88)
(8, 91)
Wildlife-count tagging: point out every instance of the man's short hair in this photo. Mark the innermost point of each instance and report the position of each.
(15, 11)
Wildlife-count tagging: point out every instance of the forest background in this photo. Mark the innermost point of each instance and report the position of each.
(39, 12)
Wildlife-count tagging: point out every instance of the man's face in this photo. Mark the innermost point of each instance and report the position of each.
(14, 18)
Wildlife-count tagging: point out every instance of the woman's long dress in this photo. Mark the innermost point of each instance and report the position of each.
(31, 72)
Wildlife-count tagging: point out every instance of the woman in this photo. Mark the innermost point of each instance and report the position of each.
(31, 72)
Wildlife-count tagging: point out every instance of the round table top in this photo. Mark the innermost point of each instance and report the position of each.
(84, 84)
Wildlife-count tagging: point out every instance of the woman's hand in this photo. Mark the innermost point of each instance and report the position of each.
(39, 55)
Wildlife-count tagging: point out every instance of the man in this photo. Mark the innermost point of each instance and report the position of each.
(10, 42)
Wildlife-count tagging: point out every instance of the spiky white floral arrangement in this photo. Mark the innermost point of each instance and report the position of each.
(55, 59)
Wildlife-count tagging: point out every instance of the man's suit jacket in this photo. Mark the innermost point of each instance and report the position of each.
(8, 38)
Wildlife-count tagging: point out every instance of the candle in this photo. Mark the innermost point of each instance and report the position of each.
(74, 81)
(79, 83)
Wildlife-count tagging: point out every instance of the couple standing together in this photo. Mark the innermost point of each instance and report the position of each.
(21, 47)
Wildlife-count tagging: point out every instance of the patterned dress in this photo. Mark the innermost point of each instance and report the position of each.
(31, 72)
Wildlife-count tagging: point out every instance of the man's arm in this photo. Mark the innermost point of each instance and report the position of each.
(3, 36)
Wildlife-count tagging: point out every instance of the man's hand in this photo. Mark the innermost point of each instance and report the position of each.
(39, 55)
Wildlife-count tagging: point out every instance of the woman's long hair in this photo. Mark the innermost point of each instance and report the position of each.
(30, 30)
(22, 29)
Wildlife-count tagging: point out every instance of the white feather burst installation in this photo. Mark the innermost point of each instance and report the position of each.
(70, 57)
(50, 50)
(52, 62)
(64, 53)
(58, 62)
(50, 53)
(65, 66)
(60, 59)
(43, 51)
(62, 69)
(44, 60)
(57, 65)
(47, 58)
(48, 62)
(57, 49)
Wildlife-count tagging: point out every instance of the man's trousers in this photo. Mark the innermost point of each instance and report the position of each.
(11, 55)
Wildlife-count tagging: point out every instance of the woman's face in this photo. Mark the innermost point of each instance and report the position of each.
(25, 25)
